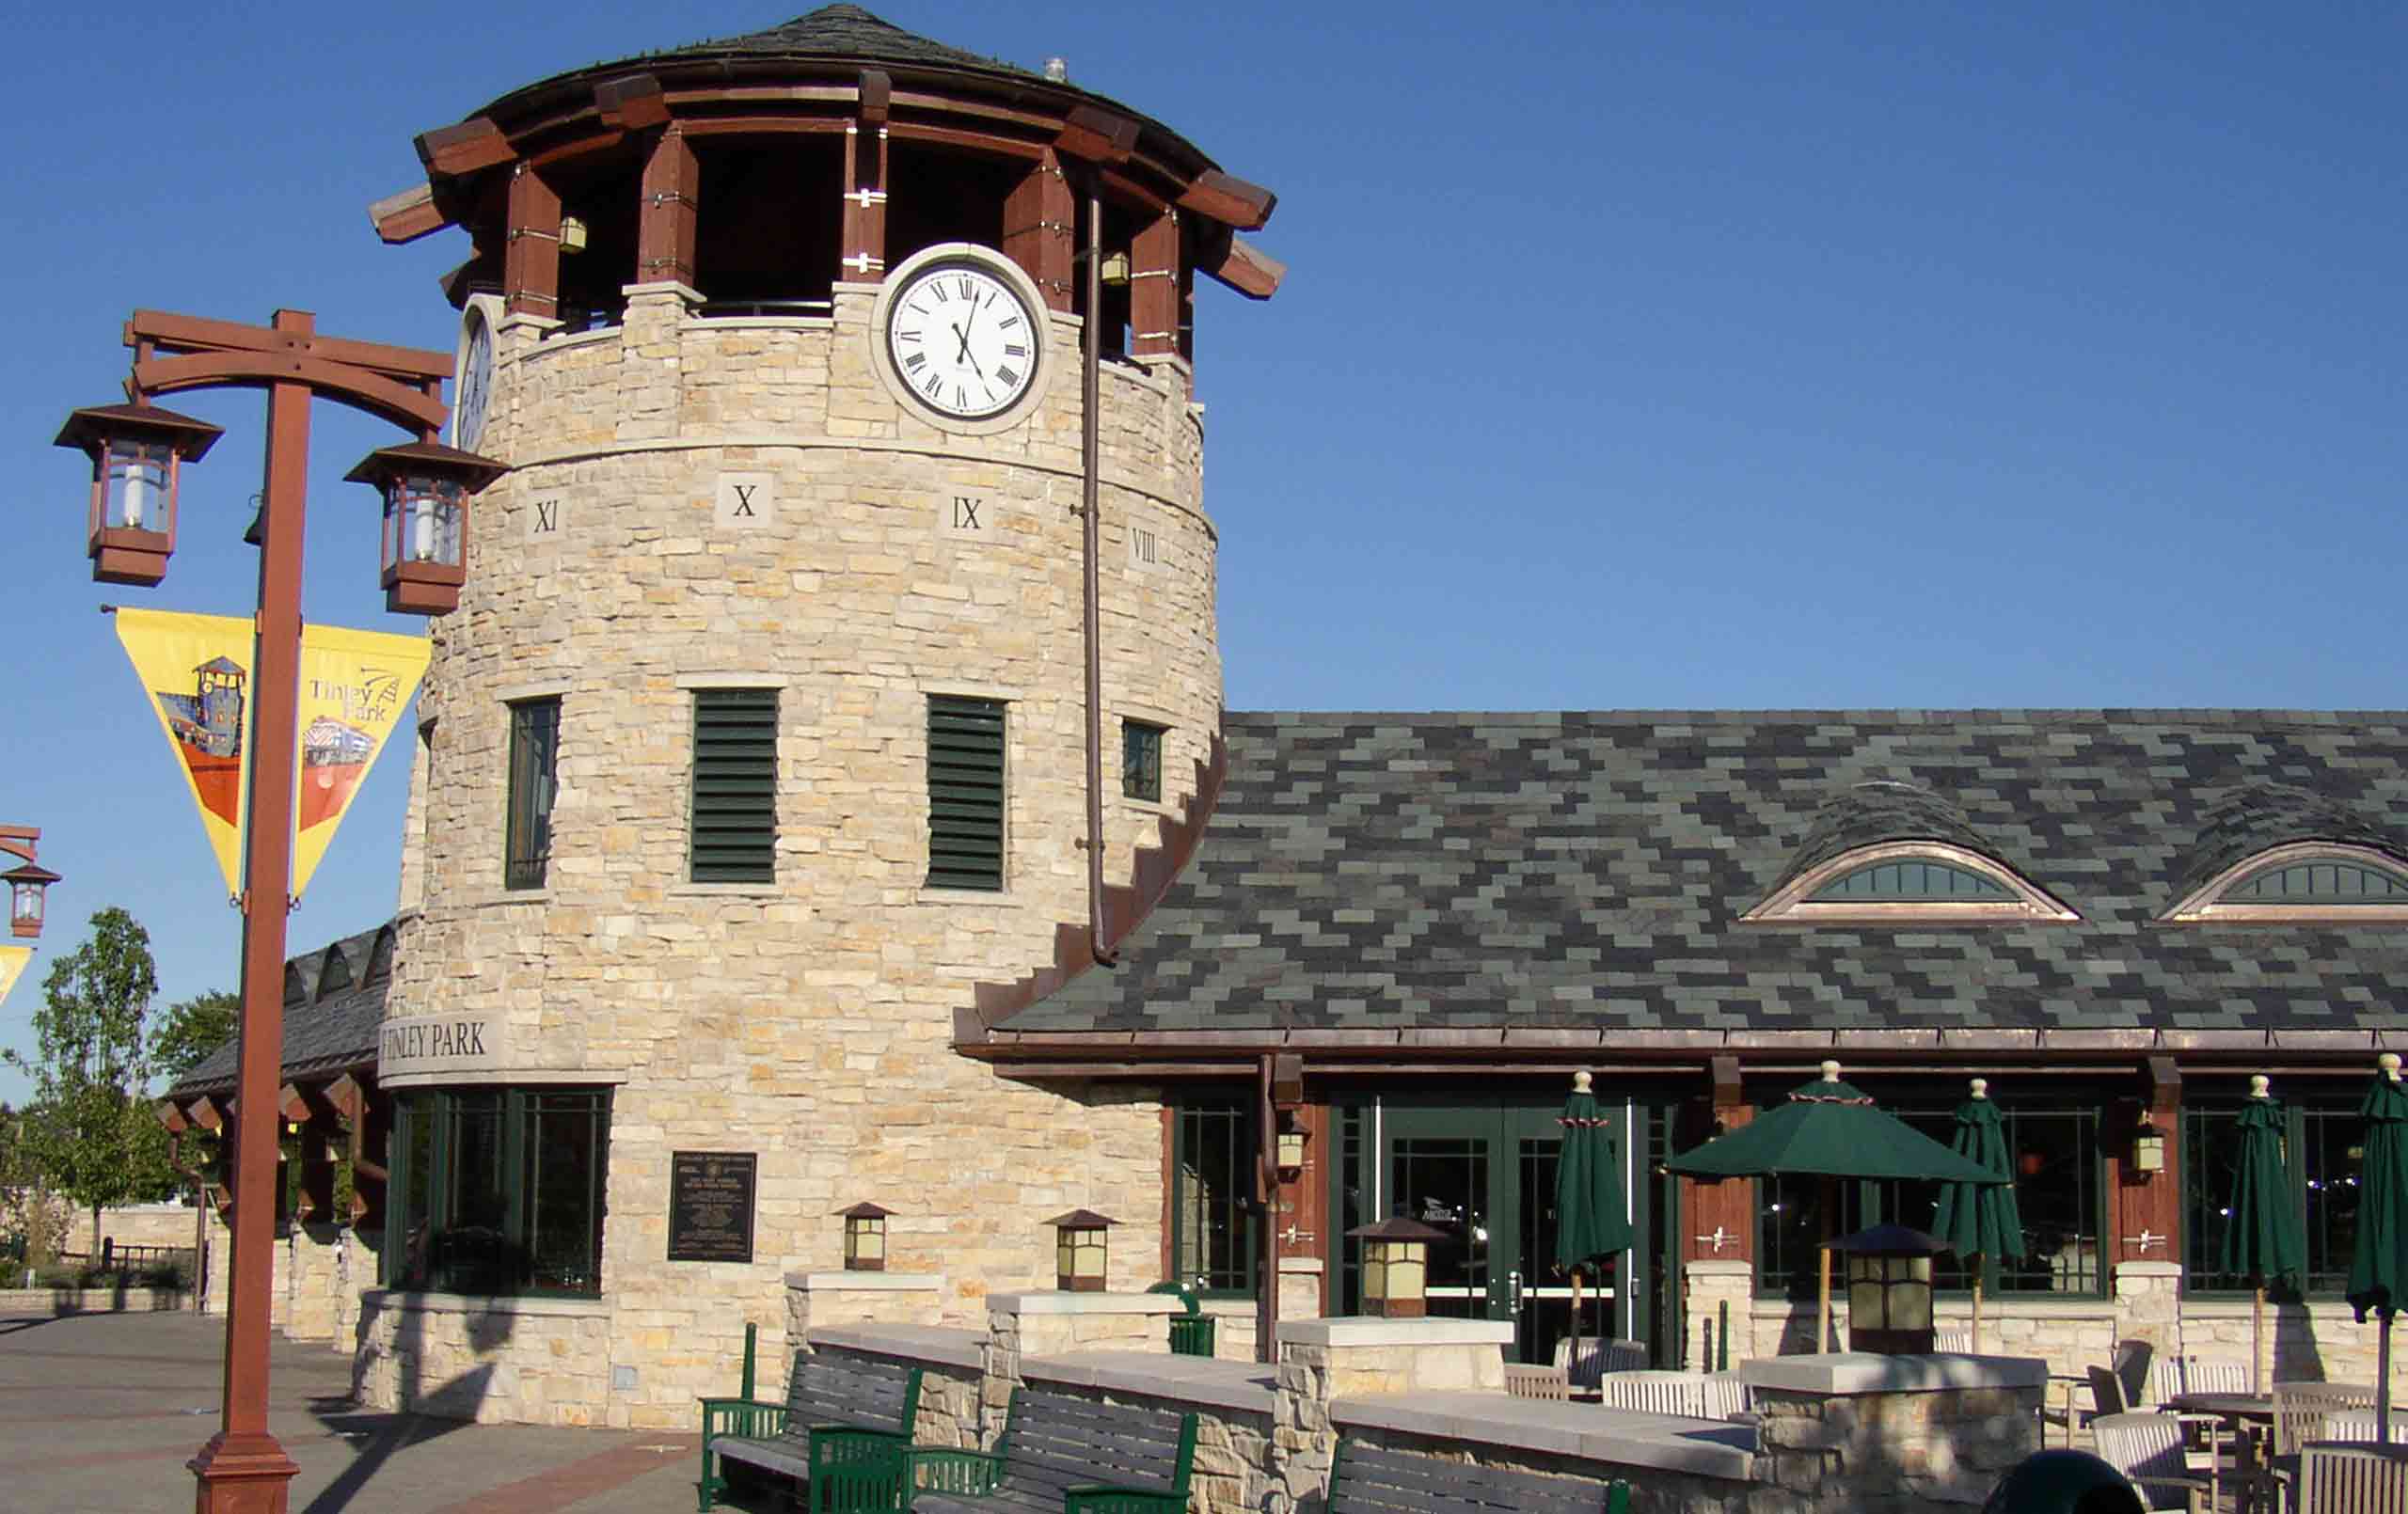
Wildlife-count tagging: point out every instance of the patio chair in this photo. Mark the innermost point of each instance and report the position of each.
(1955, 1338)
(1587, 1358)
(2215, 1377)
(1542, 1382)
(2358, 1425)
(2108, 1393)
(2303, 1411)
(1657, 1393)
(2147, 1450)
(2351, 1480)
(1727, 1396)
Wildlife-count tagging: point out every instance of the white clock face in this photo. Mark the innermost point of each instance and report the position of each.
(961, 339)
(476, 382)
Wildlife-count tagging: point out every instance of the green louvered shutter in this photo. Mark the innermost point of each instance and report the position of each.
(736, 785)
(965, 792)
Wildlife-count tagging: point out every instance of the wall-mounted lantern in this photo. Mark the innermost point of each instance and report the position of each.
(1889, 1289)
(1080, 1250)
(1290, 1152)
(864, 1237)
(28, 890)
(2148, 1150)
(424, 544)
(138, 452)
(1396, 1267)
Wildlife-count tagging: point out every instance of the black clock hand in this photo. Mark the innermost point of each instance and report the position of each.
(964, 336)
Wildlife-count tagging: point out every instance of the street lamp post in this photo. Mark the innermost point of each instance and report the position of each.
(243, 1468)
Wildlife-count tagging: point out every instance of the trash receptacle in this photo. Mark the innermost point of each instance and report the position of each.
(2064, 1482)
(1191, 1335)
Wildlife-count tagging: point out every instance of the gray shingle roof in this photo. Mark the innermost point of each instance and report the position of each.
(1587, 872)
(852, 34)
(334, 1000)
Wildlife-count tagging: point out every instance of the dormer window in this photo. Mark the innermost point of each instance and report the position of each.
(2304, 883)
(1906, 884)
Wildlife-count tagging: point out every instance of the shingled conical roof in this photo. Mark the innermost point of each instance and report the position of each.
(847, 33)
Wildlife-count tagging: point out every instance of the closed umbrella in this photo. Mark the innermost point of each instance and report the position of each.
(2378, 1269)
(1829, 1129)
(2261, 1239)
(1592, 1222)
(1979, 1221)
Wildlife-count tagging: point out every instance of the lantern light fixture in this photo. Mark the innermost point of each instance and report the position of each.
(864, 1236)
(1396, 1267)
(1292, 1152)
(1889, 1289)
(424, 544)
(28, 888)
(138, 452)
(1080, 1250)
(2148, 1150)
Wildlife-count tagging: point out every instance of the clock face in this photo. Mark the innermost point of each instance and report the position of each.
(475, 383)
(962, 340)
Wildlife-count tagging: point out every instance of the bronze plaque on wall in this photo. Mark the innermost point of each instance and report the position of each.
(710, 1206)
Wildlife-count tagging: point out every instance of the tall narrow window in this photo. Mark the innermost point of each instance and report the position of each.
(1140, 761)
(534, 756)
(965, 792)
(1212, 1212)
(736, 785)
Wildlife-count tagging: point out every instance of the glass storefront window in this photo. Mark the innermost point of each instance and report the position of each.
(1213, 1242)
(501, 1190)
(2324, 1148)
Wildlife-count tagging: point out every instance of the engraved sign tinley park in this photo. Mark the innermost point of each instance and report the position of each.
(710, 1206)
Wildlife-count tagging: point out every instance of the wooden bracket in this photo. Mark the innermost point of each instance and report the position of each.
(1286, 1079)
(473, 144)
(631, 103)
(2165, 1084)
(1726, 1083)
(1232, 201)
(1093, 135)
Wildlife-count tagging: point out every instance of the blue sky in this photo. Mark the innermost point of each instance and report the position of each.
(1631, 355)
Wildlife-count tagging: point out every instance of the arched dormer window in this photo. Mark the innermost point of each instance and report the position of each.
(2302, 883)
(1906, 884)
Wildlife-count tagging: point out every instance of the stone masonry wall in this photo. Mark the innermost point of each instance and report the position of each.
(809, 1020)
(1892, 1453)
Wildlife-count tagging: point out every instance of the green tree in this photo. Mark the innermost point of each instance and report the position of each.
(193, 1028)
(90, 1130)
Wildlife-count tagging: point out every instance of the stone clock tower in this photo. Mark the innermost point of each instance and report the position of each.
(761, 738)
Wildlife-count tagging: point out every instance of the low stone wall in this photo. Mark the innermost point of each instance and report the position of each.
(953, 1367)
(497, 1361)
(1236, 1409)
(91, 1301)
(1861, 1434)
(1652, 1489)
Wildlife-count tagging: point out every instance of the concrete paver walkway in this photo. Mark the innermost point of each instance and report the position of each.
(98, 1414)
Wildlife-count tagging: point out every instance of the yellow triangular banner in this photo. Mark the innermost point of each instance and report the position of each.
(196, 672)
(354, 686)
(195, 669)
(12, 962)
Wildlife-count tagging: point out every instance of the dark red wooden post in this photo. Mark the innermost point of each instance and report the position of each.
(1153, 288)
(1039, 215)
(665, 230)
(530, 262)
(864, 223)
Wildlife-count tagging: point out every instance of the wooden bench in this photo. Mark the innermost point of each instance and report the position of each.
(840, 1435)
(1061, 1455)
(1369, 1479)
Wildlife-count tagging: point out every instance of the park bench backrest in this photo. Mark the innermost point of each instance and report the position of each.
(1370, 1479)
(1054, 1442)
(867, 1393)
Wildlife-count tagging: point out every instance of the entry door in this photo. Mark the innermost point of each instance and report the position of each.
(1485, 1175)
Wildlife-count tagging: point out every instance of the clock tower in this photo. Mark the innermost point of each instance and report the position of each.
(839, 645)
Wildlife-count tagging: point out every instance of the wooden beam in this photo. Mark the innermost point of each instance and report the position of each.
(1725, 1072)
(701, 126)
(577, 151)
(667, 211)
(347, 1098)
(861, 255)
(207, 1113)
(407, 215)
(1242, 267)
(1232, 201)
(1039, 217)
(631, 103)
(971, 140)
(1153, 287)
(1092, 135)
(290, 1104)
(473, 144)
(172, 1116)
(530, 258)
(2165, 1084)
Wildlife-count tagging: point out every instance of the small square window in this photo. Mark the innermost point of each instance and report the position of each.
(1140, 761)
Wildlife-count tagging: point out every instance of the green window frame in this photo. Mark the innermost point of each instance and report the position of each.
(966, 793)
(2323, 1142)
(1911, 880)
(1140, 761)
(1215, 1243)
(2060, 1187)
(535, 766)
(500, 1191)
(735, 814)
(2331, 880)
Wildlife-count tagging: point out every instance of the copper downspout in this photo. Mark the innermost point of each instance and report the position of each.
(1090, 447)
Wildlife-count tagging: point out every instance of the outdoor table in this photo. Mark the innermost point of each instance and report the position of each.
(2250, 1414)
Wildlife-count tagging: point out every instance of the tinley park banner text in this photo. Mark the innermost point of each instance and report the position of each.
(196, 671)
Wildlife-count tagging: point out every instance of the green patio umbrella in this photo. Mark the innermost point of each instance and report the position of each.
(1980, 1219)
(1592, 1221)
(1829, 1128)
(2379, 1268)
(2261, 1239)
